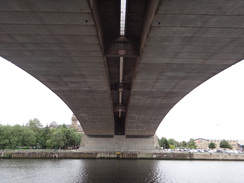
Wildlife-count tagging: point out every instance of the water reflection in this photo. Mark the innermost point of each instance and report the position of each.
(118, 171)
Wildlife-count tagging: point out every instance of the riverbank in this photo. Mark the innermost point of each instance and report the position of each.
(119, 155)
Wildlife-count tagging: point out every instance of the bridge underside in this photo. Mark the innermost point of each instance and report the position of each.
(122, 84)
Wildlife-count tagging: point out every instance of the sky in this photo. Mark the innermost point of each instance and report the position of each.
(22, 97)
(214, 110)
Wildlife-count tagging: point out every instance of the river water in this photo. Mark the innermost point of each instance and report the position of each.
(116, 171)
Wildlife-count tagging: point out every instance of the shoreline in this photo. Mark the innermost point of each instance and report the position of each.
(120, 155)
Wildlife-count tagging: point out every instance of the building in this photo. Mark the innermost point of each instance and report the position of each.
(53, 125)
(202, 143)
(75, 124)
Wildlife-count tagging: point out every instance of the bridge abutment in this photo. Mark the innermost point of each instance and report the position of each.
(119, 143)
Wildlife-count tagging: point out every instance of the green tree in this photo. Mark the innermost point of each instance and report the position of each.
(192, 144)
(173, 142)
(211, 145)
(163, 142)
(224, 144)
(70, 137)
(78, 137)
(28, 137)
(58, 139)
(34, 124)
(64, 126)
(184, 144)
(21, 136)
(15, 136)
(45, 135)
(33, 135)
(171, 146)
(4, 137)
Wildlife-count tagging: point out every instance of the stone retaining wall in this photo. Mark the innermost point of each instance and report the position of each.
(121, 155)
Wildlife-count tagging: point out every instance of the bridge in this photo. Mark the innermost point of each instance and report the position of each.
(121, 66)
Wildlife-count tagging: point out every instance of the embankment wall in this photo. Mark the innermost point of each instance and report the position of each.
(122, 155)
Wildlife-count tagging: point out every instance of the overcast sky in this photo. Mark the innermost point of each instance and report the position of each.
(214, 110)
(22, 98)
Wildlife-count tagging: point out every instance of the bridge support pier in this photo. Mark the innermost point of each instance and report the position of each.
(119, 143)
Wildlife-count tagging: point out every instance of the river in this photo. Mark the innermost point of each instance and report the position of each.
(118, 171)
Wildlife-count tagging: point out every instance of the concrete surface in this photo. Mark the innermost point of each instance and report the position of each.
(187, 43)
(119, 143)
(170, 47)
(120, 155)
